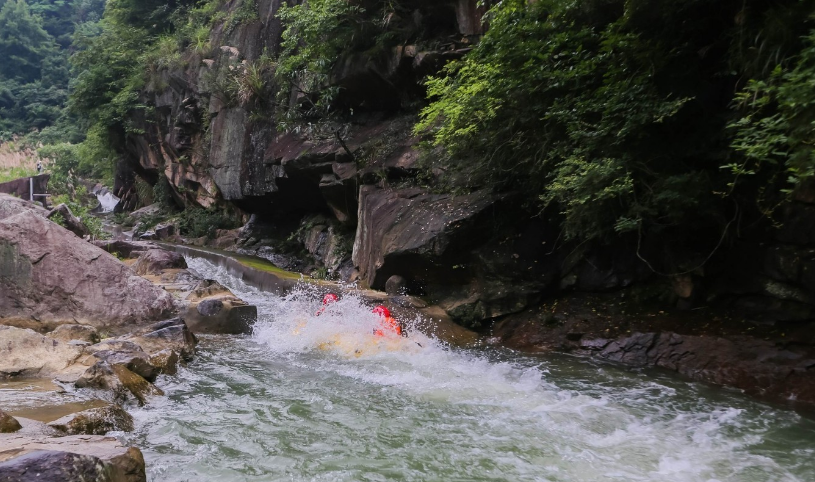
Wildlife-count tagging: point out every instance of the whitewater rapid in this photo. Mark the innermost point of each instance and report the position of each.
(311, 397)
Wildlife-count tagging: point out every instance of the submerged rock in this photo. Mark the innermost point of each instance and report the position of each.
(221, 314)
(171, 335)
(119, 380)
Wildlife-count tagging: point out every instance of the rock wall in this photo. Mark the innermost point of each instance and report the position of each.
(479, 256)
(212, 148)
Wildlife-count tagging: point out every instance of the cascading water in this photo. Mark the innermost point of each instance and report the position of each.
(319, 398)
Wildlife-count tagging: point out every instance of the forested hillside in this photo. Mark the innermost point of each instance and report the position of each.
(36, 40)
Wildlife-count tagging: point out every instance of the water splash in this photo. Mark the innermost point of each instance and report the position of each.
(319, 398)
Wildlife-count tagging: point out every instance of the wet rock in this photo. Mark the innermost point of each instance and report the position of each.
(136, 361)
(66, 333)
(44, 465)
(223, 314)
(75, 458)
(155, 261)
(396, 285)
(210, 307)
(51, 277)
(166, 361)
(167, 335)
(205, 289)
(632, 350)
(118, 380)
(68, 220)
(148, 235)
(26, 353)
(8, 424)
(96, 421)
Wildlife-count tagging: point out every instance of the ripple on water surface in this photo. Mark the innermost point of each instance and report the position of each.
(318, 398)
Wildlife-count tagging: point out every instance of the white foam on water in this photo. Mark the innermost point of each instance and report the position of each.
(326, 400)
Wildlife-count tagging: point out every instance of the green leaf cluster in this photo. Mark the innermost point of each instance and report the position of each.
(613, 115)
(315, 36)
(776, 133)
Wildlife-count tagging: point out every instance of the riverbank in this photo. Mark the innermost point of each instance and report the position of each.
(85, 339)
(774, 362)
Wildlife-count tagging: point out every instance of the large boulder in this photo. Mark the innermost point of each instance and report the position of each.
(34, 457)
(465, 252)
(10, 205)
(408, 231)
(50, 277)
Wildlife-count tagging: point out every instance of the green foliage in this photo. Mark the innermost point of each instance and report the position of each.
(145, 192)
(94, 158)
(16, 173)
(196, 222)
(24, 43)
(316, 34)
(163, 193)
(34, 40)
(776, 133)
(612, 114)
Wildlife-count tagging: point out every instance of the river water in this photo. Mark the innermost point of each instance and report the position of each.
(309, 398)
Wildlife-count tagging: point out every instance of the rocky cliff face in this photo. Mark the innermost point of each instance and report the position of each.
(477, 255)
(213, 148)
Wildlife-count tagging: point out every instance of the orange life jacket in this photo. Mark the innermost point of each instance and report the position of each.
(388, 325)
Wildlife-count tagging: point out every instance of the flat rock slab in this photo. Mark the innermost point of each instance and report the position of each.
(26, 353)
